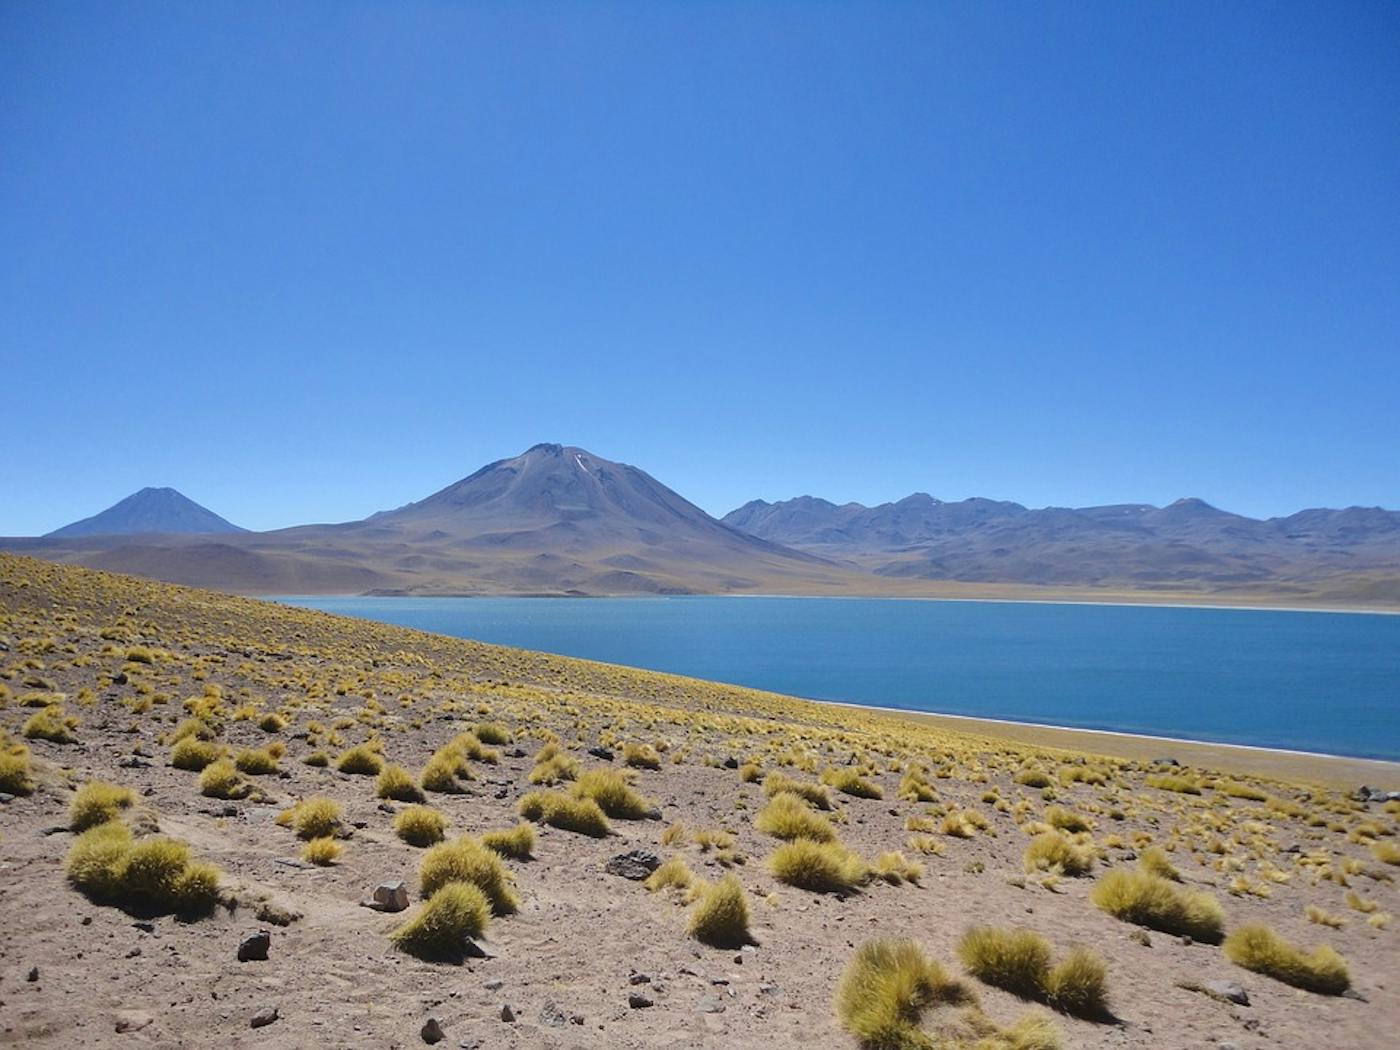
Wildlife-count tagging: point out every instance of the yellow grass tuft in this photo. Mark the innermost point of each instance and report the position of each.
(362, 760)
(720, 917)
(1261, 950)
(466, 860)
(443, 923)
(775, 784)
(221, 780)
(885, 990)
(613, 792)
(672, 874)
(641, 756)
(1056, 853)
(322, 851)
(194, 753)
(850, 782)
(1149, 900)
(96, 803)
(256, 761)
(1153, 860)
(517, 843)
(313, 818)
(396, 783)
(787, 817)
(580, 815)
(51, 724)
(822, 867)
(420, 825)
(153, 875)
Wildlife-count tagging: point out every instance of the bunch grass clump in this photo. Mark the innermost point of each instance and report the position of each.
(154, 875)
(395, 782)
(720, 917)
(1149, 900)
(517, 843)
(776, 783)
(466, 860)
(420, 826)
(256, 761)
(822, 867)
(1056, 853)
(1019, 961)
(313, 818)
(443, 771)
(361, 760)
(493, 733)
(96, 803)
(849, 782)
(787, 817)
(51, 724)
(194, 753)
(1153, 860)
(580, 815)
(1261, 950)
(674, 873)
(885, 990)
(552, 765)
(322, 852)
(16, 777)
(613, 793)
(221, 780)
(439, 931)
(641, 756)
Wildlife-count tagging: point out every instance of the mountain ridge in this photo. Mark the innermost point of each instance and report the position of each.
(150, 510)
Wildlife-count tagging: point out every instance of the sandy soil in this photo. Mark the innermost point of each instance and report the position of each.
(564, 962)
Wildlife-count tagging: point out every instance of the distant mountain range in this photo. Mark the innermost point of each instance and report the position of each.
(149, 511)
(559, 520)
(1188, 543)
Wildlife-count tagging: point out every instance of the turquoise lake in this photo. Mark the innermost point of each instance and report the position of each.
(1323, 682)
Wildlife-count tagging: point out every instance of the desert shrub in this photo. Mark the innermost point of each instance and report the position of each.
(517, 843)
(1066, 820)
(1034, 778)
(614, 795)
(885, 990)
(443, 923)
(361, 760)
(15, 775)
(1153, 860)
(1054, 852)
(1324, 918)
(394, 782)
(787, 817)
(272, 722)
(1180, 785)
(641, 756)
(194, 753)
(775, 784)
(1386, 852)
(318, 759)
(1019, 961)
(675, 835)
(750, 773)
(139, 654)
(1149, 900)
(51, 724)
(256, 761)
(153, 875)
(672, 874)
(1078, 984)
(493, 733)
(1261, 950)
(313, 818)
(323, 851)
(720, 917)
(420, 826)
(581, 815)
(849, 782)
(466, 860)
(221, 780)
(469, 745)
(822, 867)
(443, 771)
(1016, 960)
(963, 824)
(893, 867)
(1237, 790)
(553, 765)
(96, 803)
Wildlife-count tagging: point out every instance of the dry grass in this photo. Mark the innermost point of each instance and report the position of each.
(580, 815)
(96, 803)
(822, 867)
(439, 930)
(1148, 900)
(672, 874)
(256, 761)
(466, 860)
(1057, 854)
(313, 818)
(154, 875)
(395, 782)
(15, 773)
(641, 756)
(194, 753)
(51, 724)
(322, 852)
(613, 792)
(787, 817)
(775, 784)
(221, 780)
(1153, 860)
(885, 990)
(361, 760)
(1261, 950)
(420, 826)
(720, 917)
(850, 782)
(517, 843)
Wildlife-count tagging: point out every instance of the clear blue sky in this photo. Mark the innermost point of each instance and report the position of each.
(307, 261)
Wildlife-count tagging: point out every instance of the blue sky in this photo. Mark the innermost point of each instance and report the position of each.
(304, 262)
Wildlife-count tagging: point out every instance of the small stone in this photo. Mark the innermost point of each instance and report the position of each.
(474, 949)
(253, 948)
(133, 1020)
(493, 985)
(1187, 941)
(133, 953)
(709, 1005)
(638, 1001)
(507, 1014)
(1228, 990)
(731, 763)
(638, 978)
(264, 1017)
(552, 1016)
(601, 752)
(33, 974)
(432, 1031)
(635, 864)
(390, 896)
(145, 927)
